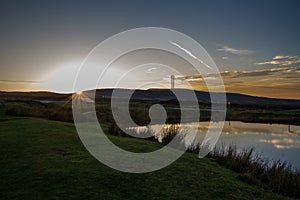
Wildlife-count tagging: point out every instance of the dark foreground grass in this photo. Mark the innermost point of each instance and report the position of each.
(42, 159)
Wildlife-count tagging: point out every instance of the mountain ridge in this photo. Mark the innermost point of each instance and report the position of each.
(152, 94)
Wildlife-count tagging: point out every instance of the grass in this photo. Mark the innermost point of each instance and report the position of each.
(43, 159)
(139, 112)
(277, 176)
(271, 115)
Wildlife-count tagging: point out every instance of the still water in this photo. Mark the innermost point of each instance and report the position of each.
(271, 141)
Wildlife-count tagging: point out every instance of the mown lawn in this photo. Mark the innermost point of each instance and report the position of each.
(43, 159)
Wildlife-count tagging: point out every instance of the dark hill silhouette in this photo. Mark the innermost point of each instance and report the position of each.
(203, 97)
(153, 94)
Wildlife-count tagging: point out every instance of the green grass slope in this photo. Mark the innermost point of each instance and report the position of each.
(42, 159)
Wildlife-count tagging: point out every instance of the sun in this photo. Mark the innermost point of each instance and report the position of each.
(79, 93)
(78, 96)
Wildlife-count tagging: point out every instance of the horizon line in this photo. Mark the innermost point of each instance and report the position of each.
(70, 93)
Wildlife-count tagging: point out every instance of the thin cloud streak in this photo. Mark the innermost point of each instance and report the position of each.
(20, 82)
(235, 51)
(240, 74)
(281, 61)
(190, 53)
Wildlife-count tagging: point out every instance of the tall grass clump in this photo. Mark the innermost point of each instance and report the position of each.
(168, 133)
(277, 176)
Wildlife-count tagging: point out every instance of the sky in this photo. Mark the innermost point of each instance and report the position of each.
(255, 44)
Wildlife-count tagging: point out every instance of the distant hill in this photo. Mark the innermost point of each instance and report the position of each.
(34, 96)
(203, 97)
(152, 94)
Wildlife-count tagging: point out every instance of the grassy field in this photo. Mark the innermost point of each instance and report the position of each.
(139, 112)
(258, 115)
(43, 159)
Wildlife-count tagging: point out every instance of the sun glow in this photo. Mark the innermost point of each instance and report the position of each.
(79, 93)
(61, 79)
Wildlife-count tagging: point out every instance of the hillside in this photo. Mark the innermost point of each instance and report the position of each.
(153, 94)
(203, 97)
(44, 159)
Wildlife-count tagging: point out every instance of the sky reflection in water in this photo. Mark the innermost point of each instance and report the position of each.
(271, 141)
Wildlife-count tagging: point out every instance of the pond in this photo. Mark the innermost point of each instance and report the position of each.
(271, 141)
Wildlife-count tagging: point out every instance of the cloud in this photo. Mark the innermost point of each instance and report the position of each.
(243, 74)
(190, 53)
(262, 72)
(235, 51)
(151, 70)
(282, 61)
(281, 82)
(19, 82)
(20, 85)
(282, 57)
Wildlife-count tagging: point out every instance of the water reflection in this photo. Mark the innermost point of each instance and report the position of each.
(285, 143)
(270, 141)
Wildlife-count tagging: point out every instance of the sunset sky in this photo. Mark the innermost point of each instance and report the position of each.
(255, 44)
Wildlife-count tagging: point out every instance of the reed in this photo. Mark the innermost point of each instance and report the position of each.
(277, 176)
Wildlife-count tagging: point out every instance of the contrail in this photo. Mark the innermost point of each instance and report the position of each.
(190, 53)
